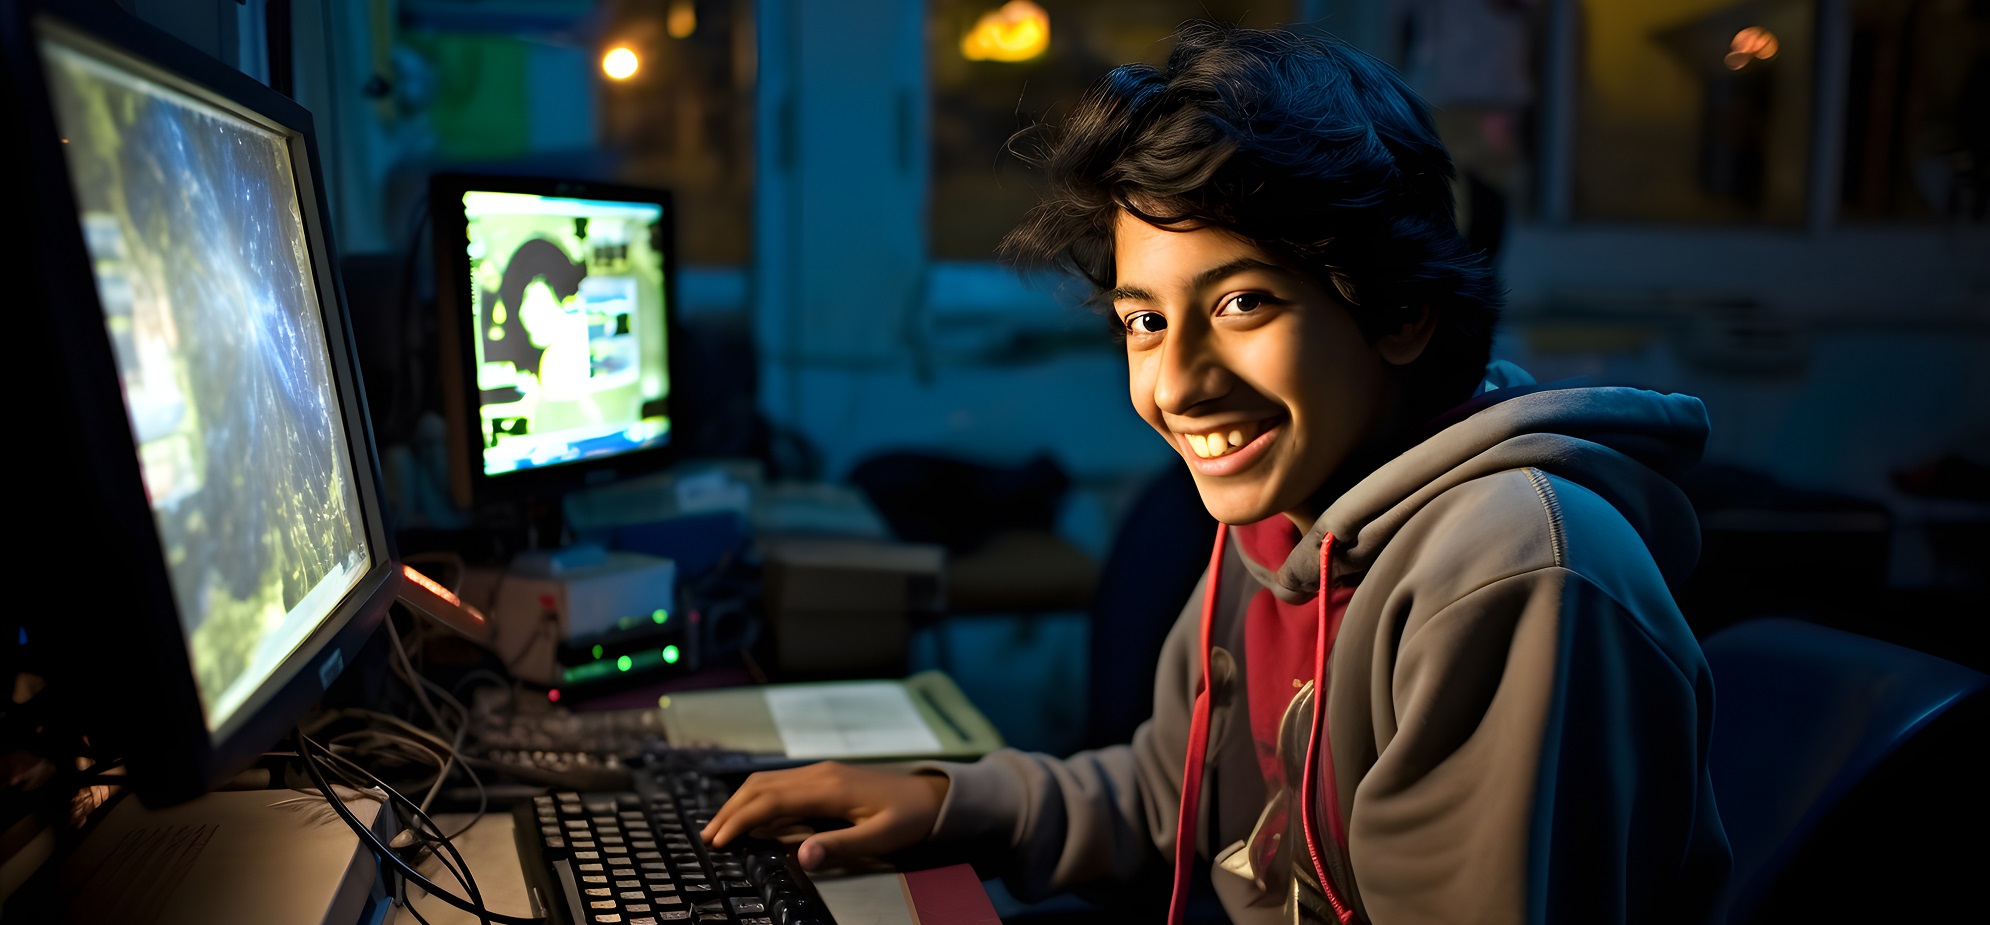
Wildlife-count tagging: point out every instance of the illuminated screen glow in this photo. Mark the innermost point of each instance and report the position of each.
(194, 228)
(568, 327)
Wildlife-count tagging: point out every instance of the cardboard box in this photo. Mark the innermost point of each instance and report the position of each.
(839, 606)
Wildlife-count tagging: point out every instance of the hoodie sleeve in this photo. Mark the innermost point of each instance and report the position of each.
(1546, 762)
(1046, 824)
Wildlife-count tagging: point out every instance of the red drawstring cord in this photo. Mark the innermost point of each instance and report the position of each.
(1198, 749)
(1198, 744)
(1315, 743)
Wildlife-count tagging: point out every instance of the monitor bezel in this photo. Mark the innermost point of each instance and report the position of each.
(469, 484)
(138, 699)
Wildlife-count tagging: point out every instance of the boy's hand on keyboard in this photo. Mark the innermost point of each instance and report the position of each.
(888, 811)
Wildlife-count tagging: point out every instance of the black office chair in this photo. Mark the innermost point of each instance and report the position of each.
(1162, 547)
(1847, 774)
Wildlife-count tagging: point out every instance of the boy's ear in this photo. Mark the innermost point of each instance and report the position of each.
(1405, 344)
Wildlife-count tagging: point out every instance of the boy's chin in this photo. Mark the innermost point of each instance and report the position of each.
(1235, 504)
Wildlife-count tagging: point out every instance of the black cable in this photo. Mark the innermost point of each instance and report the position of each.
(429, 838)
(461, 868)
(468, 882)
(474, 906)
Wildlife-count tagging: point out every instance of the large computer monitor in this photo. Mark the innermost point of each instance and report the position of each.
(558, 328)
(204, 428)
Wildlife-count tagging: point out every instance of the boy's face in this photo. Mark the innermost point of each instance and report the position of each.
(1254, 373)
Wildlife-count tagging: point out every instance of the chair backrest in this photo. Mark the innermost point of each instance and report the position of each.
(1802, 714)
(1161, 548)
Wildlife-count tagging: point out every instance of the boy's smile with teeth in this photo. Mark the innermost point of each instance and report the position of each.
(1224, 440)
(1256, 373)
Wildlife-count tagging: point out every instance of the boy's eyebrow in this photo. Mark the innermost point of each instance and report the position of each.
(1202, 280)
(1129, 294)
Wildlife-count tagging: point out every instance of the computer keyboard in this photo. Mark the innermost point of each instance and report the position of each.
(635, 858)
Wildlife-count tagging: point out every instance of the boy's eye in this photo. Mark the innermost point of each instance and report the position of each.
(1243, 303)
(1146, 322)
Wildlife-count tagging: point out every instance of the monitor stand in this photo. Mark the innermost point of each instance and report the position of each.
(229, 856)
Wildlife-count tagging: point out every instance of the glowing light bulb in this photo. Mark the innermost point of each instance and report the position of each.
(1751, 44)
(553, 695)
(681, 20)
(597, 650)
(1018, 31)
(624, 663)
(620, 63)
(660, 615)
(670, 655)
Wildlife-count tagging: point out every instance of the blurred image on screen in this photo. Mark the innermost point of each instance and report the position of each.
(193, 224)
(569, 328)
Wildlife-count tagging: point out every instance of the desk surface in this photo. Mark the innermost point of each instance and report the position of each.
(942, 896)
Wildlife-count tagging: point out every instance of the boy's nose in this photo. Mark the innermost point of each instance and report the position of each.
(1191, 373)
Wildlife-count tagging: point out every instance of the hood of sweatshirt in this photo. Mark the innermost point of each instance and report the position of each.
(1624, 444)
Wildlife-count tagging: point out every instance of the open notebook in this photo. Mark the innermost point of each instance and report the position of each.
(923, 716)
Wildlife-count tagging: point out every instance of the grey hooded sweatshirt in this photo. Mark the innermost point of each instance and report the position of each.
(1517, 716)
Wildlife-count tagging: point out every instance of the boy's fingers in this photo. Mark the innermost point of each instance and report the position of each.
(745, 815)
(754, 787)
(826, 847)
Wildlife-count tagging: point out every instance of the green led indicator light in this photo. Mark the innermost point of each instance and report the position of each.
(659, 616)
(623, 663)
(670, 655)
(597, 651)
(590, 671)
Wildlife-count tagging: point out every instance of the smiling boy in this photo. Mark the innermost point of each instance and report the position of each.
(1476, 570)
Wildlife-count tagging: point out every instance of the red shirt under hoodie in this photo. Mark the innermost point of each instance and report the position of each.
(1279, 639)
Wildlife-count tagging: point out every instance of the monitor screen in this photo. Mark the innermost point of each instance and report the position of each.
(568, 330)
(193, 224)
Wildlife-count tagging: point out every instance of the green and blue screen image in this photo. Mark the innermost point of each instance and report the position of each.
(568, 328)
(194, 228)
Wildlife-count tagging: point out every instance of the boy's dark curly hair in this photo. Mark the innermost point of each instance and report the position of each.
(1312, 149)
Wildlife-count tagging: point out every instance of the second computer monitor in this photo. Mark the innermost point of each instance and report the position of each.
(558, 322)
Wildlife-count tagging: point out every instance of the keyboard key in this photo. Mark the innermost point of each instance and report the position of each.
(603, 904)
(636, 907)
(588, 868)
(594, 879)
(597, 891)
(608, 918)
